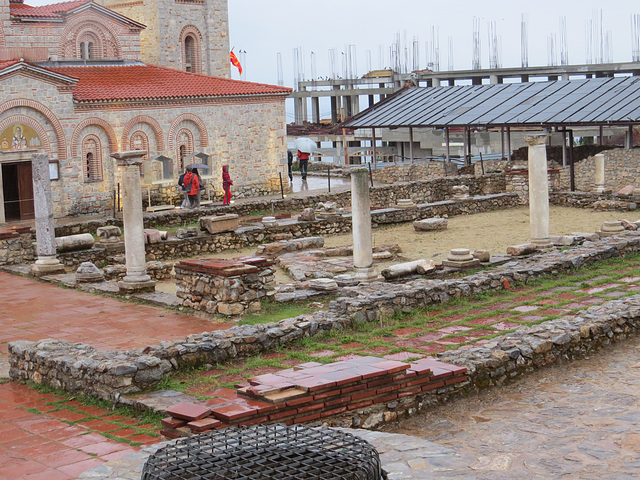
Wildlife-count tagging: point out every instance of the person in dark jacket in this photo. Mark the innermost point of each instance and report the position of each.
(226, 184)
(191, 181)
(290, 164)
(185, 190)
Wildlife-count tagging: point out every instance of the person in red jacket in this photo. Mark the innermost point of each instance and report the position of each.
(303, 161)
(192, 184)
(226, 184)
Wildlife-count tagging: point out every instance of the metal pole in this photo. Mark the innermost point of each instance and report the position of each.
(370, 174)
(468, 159)
(502, 141)
(600, 135)
(509, 144)
(446, 131)
(481, 163)
(281, 187)
(329, 178)
(571, 166)
(564, 147)
(119, 209)
(411, 143)
(373, 143)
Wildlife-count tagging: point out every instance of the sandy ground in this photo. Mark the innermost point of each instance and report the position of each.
(493, 231)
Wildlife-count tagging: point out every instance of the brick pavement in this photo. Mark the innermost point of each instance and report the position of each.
(44, 445)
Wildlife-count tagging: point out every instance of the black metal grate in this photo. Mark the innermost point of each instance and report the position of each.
(266, 452)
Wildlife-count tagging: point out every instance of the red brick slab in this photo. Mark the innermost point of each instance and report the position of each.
(188, 411)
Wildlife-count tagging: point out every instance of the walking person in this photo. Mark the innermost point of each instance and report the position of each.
(200, 188)
(290, 164)
(192, 186)
(303, 160)
(185, 190)
(226, 184)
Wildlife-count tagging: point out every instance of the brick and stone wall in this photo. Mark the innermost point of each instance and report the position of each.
(621, 168)
(228, 287)
(254, 149)
(517, 181)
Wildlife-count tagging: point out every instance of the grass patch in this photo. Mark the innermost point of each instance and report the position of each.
(272, 311)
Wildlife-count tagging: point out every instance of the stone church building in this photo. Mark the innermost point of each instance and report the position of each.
(82, 79)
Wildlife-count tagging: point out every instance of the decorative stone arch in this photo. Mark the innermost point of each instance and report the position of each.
(152, 122)
(191, 58)
(106, 126)
(48, 114)
(203, 141)
(33, 123)
(109, 46)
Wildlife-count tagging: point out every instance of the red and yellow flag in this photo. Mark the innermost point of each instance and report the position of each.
(235, 62)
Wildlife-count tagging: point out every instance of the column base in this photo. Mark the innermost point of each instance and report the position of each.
(367, 275)
(134, 286)
(599, 189)
(544, 245)
(47, 266)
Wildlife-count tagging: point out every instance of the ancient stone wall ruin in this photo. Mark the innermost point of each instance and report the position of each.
(80, 368)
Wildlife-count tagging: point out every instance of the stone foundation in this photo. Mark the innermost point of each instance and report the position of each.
(228, 287)
(80, 368)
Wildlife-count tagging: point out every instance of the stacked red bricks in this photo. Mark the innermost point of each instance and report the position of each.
(312, 391)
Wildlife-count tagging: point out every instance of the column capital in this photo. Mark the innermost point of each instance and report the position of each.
(536, 138)
(130, 157)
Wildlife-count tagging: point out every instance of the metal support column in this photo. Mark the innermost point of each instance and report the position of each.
(509, 144)
(448, 141)
(411, 143)
(373, 144)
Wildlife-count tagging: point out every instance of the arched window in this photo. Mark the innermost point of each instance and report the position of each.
(92, 155)
(189, 53)
(139, 141)
(89, 46)
(185, 146)
(190, 41)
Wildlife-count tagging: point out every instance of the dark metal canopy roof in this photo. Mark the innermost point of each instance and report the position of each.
(596, 101)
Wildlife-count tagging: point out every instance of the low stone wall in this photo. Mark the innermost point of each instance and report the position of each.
(392, 174)
(79, 368)
(205, 244)
(587, 200)
(16, 246)
(423, 191)
(517, 181)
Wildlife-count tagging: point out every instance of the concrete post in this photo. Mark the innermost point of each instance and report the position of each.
(599, 173)
(136, 278)
(47, 262)
(361, 223)
(538, 190)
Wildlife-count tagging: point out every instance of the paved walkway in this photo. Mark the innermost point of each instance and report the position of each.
(580, 422)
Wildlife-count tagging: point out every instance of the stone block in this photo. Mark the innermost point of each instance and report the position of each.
(151, 235)
(109, 233)
(461, 258)
(307, 215)
(227, 222)
(626, 191)
(524, 249)
(421, 267)
(323, 284)
(482, 255)
(430, 224)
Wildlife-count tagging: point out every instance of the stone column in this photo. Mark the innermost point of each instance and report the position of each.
(538, 191)
(361, 223)
(599, 172)
(47, 262)
(136, 278)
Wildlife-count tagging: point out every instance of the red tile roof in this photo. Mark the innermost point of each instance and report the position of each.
(44, 11)
(150, 82)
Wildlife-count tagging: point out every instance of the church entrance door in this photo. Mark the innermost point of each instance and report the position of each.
(17, 186)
